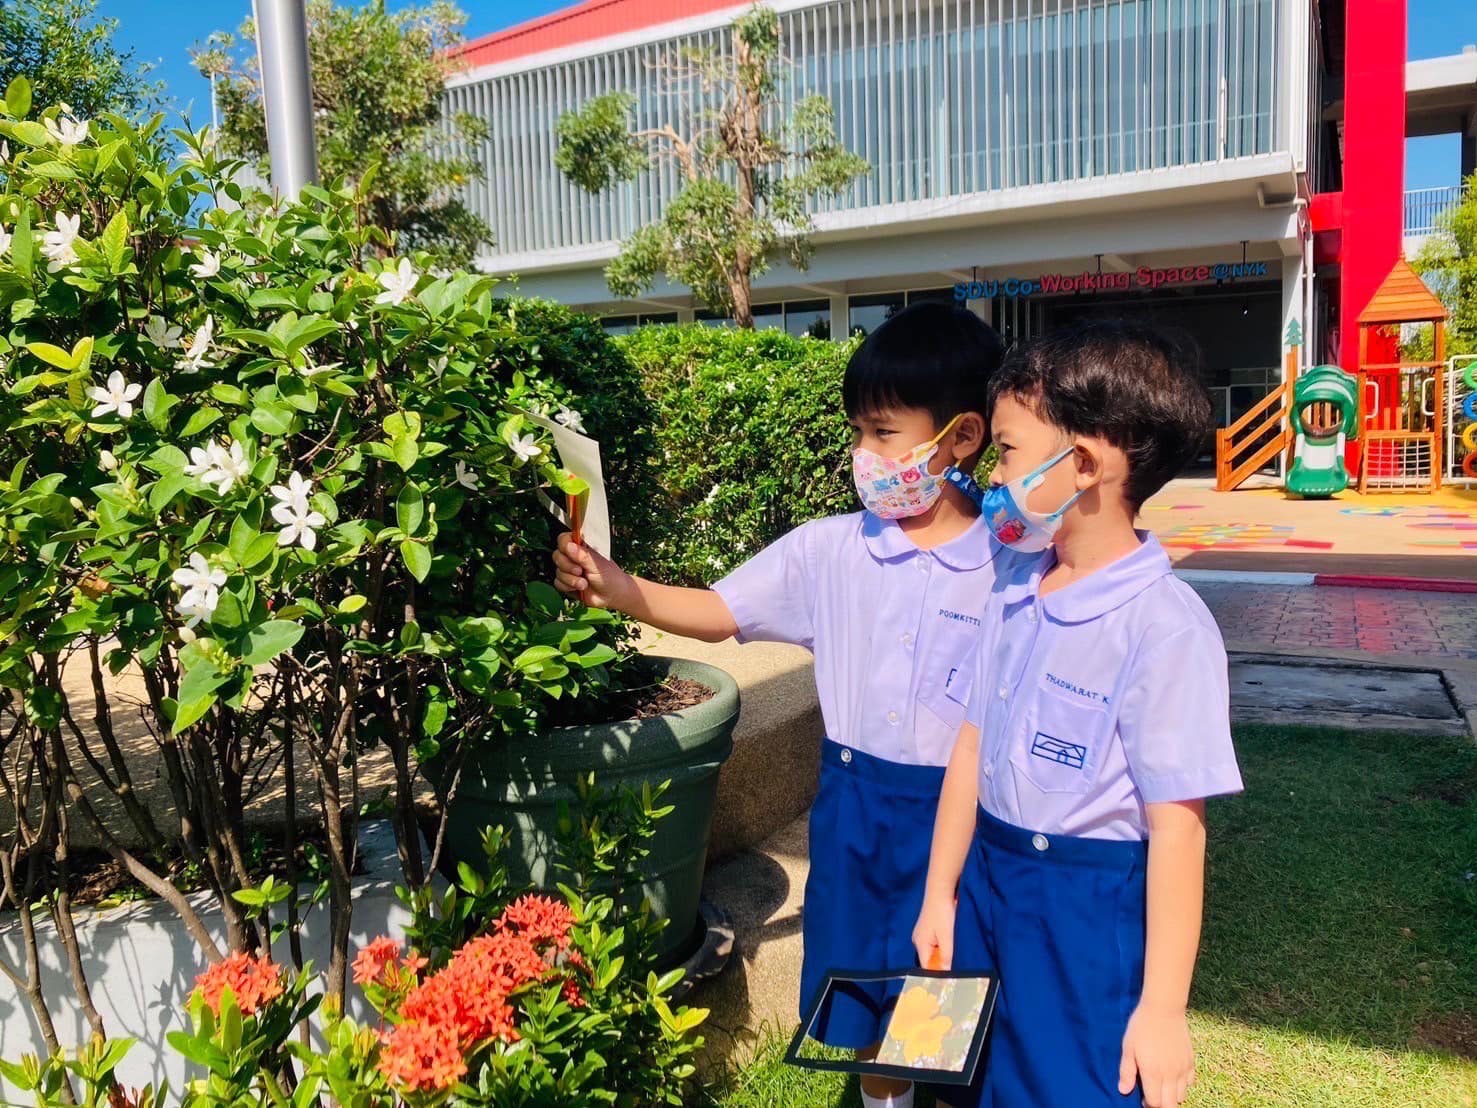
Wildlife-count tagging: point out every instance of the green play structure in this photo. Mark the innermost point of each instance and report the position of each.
(1325, 415)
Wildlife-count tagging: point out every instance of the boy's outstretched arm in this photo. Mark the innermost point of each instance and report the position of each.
(1156, 1046)
(694, 613)
(953, 830)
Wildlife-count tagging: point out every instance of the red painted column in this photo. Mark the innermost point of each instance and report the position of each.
(1374, 160)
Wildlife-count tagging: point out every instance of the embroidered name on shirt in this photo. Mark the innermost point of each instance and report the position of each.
(1076, 690)
(960, 617)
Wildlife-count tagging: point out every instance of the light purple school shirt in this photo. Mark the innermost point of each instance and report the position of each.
(1100, 698)
(894, 629)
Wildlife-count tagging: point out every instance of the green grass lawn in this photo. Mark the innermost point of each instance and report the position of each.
(1339, 963)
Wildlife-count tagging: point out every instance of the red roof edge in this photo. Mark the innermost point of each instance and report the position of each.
(579, 23)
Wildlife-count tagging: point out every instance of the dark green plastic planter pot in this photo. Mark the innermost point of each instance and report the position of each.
(521, 785)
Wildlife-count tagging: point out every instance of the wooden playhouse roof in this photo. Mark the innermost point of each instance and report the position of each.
(1403, 298)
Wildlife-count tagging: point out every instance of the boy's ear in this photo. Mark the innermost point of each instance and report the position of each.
(1087, 459)
(970, 436)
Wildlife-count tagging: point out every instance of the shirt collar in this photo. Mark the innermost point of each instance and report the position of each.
(1099, 592)
(969, 550)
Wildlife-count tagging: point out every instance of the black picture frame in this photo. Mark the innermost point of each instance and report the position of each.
(961, 1077)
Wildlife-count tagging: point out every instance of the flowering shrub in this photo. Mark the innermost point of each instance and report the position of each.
(533, 1009)
(280, 472)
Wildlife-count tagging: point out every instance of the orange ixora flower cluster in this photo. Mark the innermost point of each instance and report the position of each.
(380, 963)
(465, 1004)
(253, 981)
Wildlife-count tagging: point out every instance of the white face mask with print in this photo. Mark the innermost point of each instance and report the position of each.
(895, 488)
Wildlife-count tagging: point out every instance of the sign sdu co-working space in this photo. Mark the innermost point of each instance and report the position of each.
(1054, 284)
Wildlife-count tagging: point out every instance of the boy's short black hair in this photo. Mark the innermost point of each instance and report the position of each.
(931, 355)
(1137, 387)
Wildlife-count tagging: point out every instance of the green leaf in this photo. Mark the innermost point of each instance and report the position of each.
(201, 419)
(351, 604)
(189, 714)
(52, 355)
(32, 134)
(200, 682)
(272, 420)
(410, 509)
(114, 240)
(157, 404)
(406, 451)
(18, 98)
(269, 640)
(400, 425)
(22, 246)
(229, 612)
(598, 655)
(417, 558)
(434, 718)
(166, 489)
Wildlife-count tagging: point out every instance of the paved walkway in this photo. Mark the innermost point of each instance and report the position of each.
(1377, 621)
(1403, 535)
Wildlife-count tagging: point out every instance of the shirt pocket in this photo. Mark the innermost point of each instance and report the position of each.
(1060, 749)
(943, 692)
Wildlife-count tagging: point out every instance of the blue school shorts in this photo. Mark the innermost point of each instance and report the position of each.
(870, 831)
(1061, 920)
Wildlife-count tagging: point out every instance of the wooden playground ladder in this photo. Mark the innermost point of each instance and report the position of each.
(1260, 435)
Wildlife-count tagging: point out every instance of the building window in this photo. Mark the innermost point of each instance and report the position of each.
(712, 319)
(618, 324)
(768, 315)
(866, 313)
(808, 318)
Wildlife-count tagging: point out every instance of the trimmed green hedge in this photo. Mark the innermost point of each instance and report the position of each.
(752, 442)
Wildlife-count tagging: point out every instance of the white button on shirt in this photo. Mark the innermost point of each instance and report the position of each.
(1113, 697)
(894, 645)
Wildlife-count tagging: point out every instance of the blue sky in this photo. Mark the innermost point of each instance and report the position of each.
(164, 31)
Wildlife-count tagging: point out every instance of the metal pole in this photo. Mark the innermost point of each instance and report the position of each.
(287, 93)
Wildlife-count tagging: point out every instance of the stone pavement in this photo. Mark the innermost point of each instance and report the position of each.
(1376, 621)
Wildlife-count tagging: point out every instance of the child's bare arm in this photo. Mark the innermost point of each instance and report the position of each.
(1156, 1046)
(953, 830)
(600, 583)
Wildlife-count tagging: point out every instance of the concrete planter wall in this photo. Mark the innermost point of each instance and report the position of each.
(142, 963)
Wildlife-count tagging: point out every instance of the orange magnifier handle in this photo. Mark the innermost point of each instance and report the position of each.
(572, 507)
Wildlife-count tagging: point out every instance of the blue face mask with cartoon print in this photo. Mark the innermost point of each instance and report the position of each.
(1005, 512)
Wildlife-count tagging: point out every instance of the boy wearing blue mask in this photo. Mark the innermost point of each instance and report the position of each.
(889, 601)
(1072, 822)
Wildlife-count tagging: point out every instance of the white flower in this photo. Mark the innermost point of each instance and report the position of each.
(4, 240)
(66, 130)
(118, 397)
(218, 466)
(198, 347)
(198, 604)
(526, 447)
(208, 265)
(466, 478)
(438, 365)
(398, 283)
(106, 462)
(712, 494)
(299, 521)
(4, 151)
(158, 331)
(57, 245)
(296, 492)
(571, 419)
(732, 385)
(199, 576)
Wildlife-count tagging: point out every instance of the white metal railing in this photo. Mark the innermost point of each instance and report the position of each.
(941, 97)
(1424, 207)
